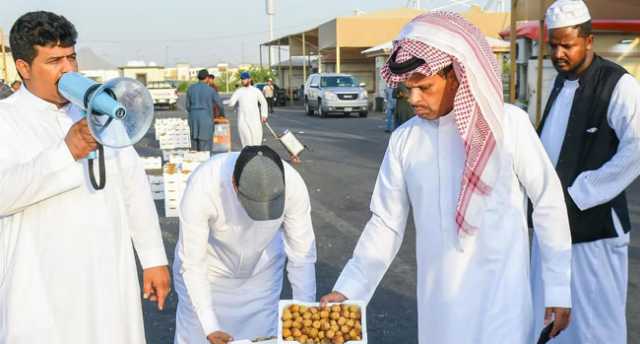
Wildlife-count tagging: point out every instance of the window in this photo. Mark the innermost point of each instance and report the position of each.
(338, 81)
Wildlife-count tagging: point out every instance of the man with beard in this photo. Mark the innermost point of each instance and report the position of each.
(591, 131)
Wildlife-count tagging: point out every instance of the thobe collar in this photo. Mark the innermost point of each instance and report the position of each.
(38, 103)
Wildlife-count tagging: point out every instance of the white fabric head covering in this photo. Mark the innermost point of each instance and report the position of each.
(439, 39)
(564, 13)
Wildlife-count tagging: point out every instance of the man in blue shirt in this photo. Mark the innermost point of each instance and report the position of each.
(199, 103)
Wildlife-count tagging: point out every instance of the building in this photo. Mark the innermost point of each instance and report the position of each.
(142, 72)
(338, 43)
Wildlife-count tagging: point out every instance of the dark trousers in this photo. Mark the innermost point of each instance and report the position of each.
(202, 145)
(270, 101)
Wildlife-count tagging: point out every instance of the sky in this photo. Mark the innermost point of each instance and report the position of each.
(199, 32)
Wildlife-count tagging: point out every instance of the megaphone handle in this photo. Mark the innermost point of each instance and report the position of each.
(101, 169)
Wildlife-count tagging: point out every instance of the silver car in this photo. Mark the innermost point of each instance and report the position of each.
(335, 93)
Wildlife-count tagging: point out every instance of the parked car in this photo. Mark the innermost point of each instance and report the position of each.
(163, 93)
(281, 94)
(335, 93)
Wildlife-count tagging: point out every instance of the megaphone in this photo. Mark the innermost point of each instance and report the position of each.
(119, 113)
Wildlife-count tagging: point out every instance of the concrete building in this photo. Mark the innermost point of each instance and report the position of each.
(338, 43)
(142, 72)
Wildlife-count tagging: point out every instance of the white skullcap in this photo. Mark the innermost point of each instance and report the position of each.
(563, 13)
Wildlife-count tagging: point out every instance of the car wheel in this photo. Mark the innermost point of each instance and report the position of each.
(364, 114)
(321, 112)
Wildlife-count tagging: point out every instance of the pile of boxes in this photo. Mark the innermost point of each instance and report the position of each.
(168, 181)
(172, 133)
(175, 175)
(153, 167)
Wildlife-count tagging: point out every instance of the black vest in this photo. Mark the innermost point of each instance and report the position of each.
(584, 151)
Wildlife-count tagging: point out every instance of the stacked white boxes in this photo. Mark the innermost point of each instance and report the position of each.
(172, 178)
(175, 176)
(173, 133)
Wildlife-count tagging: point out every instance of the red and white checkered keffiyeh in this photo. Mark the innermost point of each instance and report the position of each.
(442, 39)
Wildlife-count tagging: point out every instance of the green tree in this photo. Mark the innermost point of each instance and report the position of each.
(261, 74)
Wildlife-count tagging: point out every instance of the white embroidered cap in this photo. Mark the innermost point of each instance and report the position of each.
(563, 13)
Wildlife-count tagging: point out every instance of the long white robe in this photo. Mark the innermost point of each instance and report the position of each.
(228, 268)
(67, 265)
(252, 109)
(482, 294)
(600, 268)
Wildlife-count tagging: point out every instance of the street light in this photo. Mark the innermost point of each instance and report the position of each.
(271, 11)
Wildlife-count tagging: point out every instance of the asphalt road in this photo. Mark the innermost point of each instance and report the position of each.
(340, 171)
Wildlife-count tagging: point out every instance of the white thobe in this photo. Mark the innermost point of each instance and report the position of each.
(67, 264)
(480, 294)
(228, 268)
(252, 109)
(600, 268)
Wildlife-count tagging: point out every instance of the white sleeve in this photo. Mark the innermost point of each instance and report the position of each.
(196, 209)
(52, 172)
(141, 210)
(382, 236)
(550, 220)
(233, 100)
(264, 106)
(592, 188)
(299, 240)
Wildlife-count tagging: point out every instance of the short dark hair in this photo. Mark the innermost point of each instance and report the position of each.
(42, 29)
(584, 29)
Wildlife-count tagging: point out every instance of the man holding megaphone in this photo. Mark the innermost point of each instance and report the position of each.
(67, 263)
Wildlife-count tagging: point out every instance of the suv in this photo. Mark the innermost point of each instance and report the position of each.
(335, 93)
(163, 93)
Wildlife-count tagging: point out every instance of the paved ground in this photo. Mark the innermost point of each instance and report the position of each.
(340, 171)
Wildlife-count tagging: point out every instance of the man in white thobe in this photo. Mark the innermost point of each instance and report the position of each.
(252, 111)
(67, 262)
(591, 132)
(464, 165)
(241, 215)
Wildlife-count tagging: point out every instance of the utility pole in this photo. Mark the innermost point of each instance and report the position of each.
(271, 11)
(5, 71)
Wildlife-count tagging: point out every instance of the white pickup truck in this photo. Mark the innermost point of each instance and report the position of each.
(164, 93)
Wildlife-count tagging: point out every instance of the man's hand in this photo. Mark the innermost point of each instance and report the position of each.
(156, 284)
(219, 337)
(79, 140)
(560, 317)
(264, 119)
(333, 297)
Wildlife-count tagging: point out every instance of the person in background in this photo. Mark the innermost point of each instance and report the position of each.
(403, 111)
(252, 110)
(269, 92)
(200, 101)
(389, 108)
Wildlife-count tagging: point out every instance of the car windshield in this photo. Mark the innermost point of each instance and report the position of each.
(338, 81)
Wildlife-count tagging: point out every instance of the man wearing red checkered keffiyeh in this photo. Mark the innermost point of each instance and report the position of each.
(464, 165)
